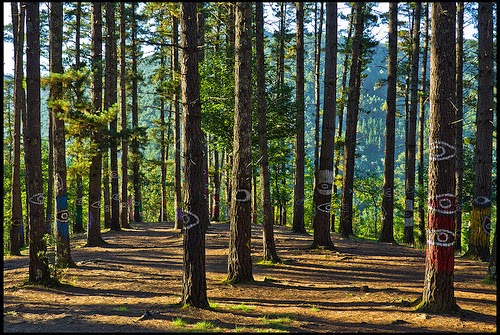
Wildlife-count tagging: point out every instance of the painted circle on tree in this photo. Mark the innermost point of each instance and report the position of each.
(443, 204)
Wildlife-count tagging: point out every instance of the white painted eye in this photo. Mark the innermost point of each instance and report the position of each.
(37, 199)
(96, 204)
(189, 219)
(482, 202)
(62, 216)
(443, 203)
(486, 224)
(441, 237)
(324, 207)
(440, 150)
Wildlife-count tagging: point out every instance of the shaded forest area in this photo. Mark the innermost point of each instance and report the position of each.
(295, 118)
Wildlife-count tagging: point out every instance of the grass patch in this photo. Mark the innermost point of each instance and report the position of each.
(213, 305)
(178, 322)
(121, 309)
(279, 322)
(241, 307)
(204, 326)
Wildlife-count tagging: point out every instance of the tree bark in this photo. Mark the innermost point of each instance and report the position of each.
(459, 173)
(480, 223)
(423, 99)
(195, 215)
(38, 260)
(387, 227)
(324, 180)
(177, 133)
(94, 237)
(438, 295)
(16, 216)
(269, 249)
(351, 124)
(412, 130)
(240, 260)
(124, 222)
(298, 189)
(61, 227)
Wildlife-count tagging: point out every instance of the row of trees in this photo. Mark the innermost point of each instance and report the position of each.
(90, 122)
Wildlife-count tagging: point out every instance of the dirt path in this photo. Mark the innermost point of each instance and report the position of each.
(134, 284)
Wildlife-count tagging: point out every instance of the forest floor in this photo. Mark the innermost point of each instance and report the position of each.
(134, 285)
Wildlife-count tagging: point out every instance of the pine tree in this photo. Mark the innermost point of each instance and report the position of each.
(239, 259)
(195, 214)
(438, 295)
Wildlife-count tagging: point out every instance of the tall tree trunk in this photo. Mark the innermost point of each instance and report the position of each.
(459, 173)
(50, 179)
(94, 220)
(340, 113)
(423, 99)
(412, 130)
(177, 133)
(318, 32)
(387, 227)
(78, 227)
(351, 123)
(163, 154)
(135, 123)
(438, 294)
(16, 212)
(268, 245)
(124, 210)
(111, 94)
(239, 260)
(194, 287)
(61, 228)
(298, 189)
(216, 207)
(38, 260)
(324, 180)
(480, 223)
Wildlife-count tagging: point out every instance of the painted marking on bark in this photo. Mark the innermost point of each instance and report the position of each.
(107, 208)
(388, 192)
(482, 202)
(190, 219)
(114, 174)
(300, 201)
(137, 203)
(440, 242)
(443, 204)
(440, 150)
(324, 207)
(441, 237)
(486, 224)
(37, 199)
(79, 201)
(242, 195)
(115, 197)
(59, 182)
(63, 228)
(124, 204)
(324, 184)
(410, 189)
(96, 204)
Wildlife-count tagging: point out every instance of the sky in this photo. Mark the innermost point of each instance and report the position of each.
(379, 34)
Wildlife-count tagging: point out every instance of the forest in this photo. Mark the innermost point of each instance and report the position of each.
(246, 166)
